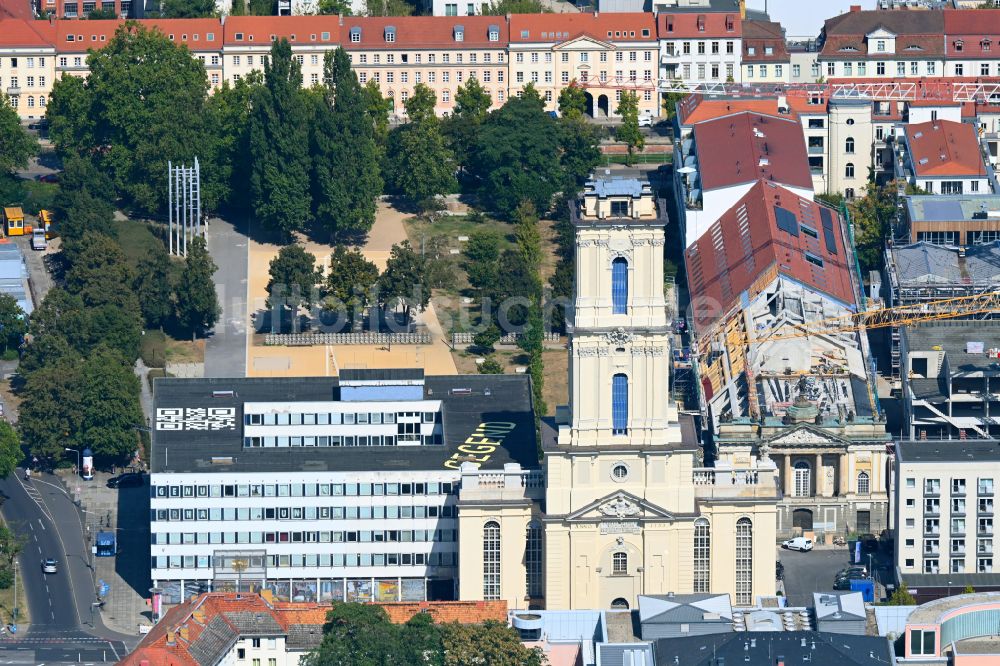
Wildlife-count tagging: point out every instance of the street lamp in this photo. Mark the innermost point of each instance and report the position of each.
(78, 469)
(13, 623)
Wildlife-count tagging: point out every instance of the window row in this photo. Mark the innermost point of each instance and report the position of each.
(306, 489)
(30, 81)
(28, 62)
(585, 56)
(326, 441)
(933, 525)
(350, 536)
(431, 59)
(303, 513)
(901, 68)
(702, 47)
(341, 418)
(486, 76)
(957, 565)
(318, 560)
(712, 71)
(984, 486)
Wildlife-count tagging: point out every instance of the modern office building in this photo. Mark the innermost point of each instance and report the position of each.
(321, 489)
(952, 220)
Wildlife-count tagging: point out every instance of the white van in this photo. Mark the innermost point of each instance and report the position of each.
(798, 543)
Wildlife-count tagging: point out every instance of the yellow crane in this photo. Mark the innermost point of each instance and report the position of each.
(737, 339)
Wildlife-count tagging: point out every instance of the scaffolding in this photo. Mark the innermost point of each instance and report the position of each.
(183, 205)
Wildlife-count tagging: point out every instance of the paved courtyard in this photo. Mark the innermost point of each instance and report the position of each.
(810, 572)
(328, 360)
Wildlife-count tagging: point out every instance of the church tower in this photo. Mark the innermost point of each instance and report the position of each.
(622, 502)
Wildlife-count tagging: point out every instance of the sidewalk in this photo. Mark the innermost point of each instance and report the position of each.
(124, 608)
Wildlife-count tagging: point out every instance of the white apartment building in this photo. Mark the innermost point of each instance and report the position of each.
(700, 48)
(319, 489)
(945, 497)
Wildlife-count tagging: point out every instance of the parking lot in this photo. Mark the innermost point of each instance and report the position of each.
(810, 572)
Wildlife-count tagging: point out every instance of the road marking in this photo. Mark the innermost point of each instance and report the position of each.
(31, 526)
(41, 524)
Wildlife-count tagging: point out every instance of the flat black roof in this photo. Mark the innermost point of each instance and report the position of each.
(948, 450)
(468, 401)
(821, 649)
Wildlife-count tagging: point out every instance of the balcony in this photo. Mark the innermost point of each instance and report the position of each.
(723, 483)
(13, 90)
(511, 483)
(932, 510)
(984, 531)
(985, 510)
(986, 491)
(933, 552)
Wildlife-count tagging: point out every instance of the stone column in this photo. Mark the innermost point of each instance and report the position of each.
(844, 482)
(819, 476)
(788, 475)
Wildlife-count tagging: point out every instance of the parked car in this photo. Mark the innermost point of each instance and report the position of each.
(801, 544)
(847, 571)
(38, 240)
(49, 178)
(49, 566)
(646, 119)
(845, 583)
(130, 480)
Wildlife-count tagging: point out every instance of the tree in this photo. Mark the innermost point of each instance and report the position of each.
(197, 303)
(51, 409)
(79, 212)
(11, 545)
(472, 104)
(16, 145)
(902, 597)
(350, 281)
(529, 241)
(491, 643)
(293, 277)
(345, 168)
(505, 7)
(135, 87)
(403, 282)
(490, 366)
(279, 145)
(378, 109)
(98, 263)
(578, 141)
(360, 635)
(486, 338)
(969, 590)
(227, 167)
(72, 124)
(153, 288)
(572, 101)
(482, 253)
(418, 164)
(335, 7)
(187, 9)
(389, 8)
(872, 217)
(10, 449)
(109, 407)
(517, 155)
(472, 100)
(670, 101)
(628, 132)
(13, 322)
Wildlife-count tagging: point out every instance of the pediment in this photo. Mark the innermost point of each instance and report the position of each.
(880, 33)
(620, 505)
(583, 42)
(805, 434)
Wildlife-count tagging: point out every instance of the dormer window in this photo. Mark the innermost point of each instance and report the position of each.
(701, 23)
(355, 35)
(459, 33)
(959, 44)
(880, 45)
(768, 50)
(730, 23)
(494, 33)
(985, 44)
(390, 34)
(239, 36)
(751, 50)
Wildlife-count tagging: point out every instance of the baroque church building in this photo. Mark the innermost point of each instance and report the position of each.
(621, 507)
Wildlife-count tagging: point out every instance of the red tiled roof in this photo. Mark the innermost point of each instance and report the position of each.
(690, 25)
(464, 612)
(944, 148)
(423, 31)
(19, 9)
(299, 30)
(606, 27)
(978, 30)
(696, 108)
(72, 36)
(20, 33)
(198, 34)
(852, 47)
(746, 146)
(743, 244)
(80, 36)
(762, 35)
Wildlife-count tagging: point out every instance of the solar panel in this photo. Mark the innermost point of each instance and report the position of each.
(828, 236)
(943, 211)
(786, 220)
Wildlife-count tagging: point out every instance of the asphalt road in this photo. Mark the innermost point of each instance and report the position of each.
(226, 348)
(810, 572)
(59, 604)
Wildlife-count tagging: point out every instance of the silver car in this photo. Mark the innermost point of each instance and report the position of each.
(50, 566)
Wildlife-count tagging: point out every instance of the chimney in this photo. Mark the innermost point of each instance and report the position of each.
(184, 634)
(855, 8)
(171, 638)
(199, 616)
(144, 662)
(780, 661)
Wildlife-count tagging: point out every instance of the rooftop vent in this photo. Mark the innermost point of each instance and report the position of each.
(763, 162)
(223, 460)
(223, 394)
